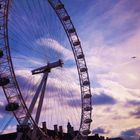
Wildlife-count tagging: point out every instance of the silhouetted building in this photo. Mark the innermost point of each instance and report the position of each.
(57, 134)
(70, 131)
(118, 138)
(51, 133)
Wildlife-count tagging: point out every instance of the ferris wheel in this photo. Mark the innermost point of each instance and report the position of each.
(43, 71)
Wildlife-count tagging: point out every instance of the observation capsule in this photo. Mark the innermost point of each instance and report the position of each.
(80, 56)
(12, 106)
(86, 83)
(87, 95)
(65, 18)
(87, 120)
(88, 108)
(59, 6)
(76, 43)
(4, 81)
(72, 30)
(83, 69)
(1, 53)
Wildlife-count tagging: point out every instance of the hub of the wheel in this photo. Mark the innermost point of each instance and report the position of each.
(48, 67)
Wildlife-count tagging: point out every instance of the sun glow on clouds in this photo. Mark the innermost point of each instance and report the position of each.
(110, 35)
(110, 40)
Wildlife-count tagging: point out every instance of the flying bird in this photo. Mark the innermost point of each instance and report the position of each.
(133, 57)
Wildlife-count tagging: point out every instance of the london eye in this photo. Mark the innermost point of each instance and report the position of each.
(43, 71)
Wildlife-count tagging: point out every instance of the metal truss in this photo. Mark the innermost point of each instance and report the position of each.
(11, 87)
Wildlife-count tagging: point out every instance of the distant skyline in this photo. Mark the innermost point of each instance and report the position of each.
(109, 31)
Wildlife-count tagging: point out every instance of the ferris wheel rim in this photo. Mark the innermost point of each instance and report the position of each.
(79, 59)
(7, 4)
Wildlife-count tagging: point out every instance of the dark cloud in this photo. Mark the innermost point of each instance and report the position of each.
(136, 105)
(133, 102)
(119, 117)
(100, 130)
(103, 99)
(136, 113)
(131, 134)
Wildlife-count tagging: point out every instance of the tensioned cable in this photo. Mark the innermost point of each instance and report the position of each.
(53, 54)
(26, 39)
(41, 8)
(53, 24)
(68, 97)
(57, 113)
(33, 48)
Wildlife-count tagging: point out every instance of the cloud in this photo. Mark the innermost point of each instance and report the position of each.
(61, 93)
(103, 99)
(133, 102)
(110, 38)
(97, 99)
(135, 108)
(56, 46)
(103, 19)
(100, 130)
(10, 129)
(136, 113)
(131, 134)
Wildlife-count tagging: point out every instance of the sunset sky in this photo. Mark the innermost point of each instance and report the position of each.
(109, 31)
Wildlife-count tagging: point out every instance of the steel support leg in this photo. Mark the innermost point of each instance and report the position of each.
(41, 98)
